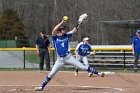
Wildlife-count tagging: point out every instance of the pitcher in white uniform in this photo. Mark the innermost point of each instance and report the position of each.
(61, 42)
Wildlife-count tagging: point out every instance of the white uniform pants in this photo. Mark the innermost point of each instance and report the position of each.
(61, 61)
(84, 59)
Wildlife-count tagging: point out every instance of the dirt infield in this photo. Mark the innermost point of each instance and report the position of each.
(66, 82)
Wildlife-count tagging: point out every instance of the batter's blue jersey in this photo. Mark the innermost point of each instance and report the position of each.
(82, 49)
(61, 44)
(136, 42)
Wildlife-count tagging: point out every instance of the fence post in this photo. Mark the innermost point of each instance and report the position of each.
(24, 58)
(124, 58)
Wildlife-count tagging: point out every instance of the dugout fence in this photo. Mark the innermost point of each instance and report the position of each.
(105, 55)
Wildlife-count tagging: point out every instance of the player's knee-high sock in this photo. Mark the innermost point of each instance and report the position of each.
(91, 70)
(77, 70)
(46, 81)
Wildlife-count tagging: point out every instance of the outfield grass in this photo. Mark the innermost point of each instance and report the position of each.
(33, 58)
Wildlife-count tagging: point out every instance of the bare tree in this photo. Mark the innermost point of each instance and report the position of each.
(45, 14)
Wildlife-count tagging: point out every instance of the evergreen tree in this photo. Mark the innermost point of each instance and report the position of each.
(10, 25)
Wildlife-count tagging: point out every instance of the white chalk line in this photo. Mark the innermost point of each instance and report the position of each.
(118, 89)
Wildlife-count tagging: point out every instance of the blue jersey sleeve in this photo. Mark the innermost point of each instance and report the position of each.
(54, 40)
(133, 39)
(69, 34)
(54, 37)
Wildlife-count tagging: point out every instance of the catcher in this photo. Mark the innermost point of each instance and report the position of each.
(82, 50)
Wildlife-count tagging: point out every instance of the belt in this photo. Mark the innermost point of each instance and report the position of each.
(65, 54)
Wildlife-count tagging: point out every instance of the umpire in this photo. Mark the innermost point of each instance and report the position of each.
(42, 45)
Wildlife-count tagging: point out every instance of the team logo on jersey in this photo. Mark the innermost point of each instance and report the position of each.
(62, 40)
(84, 48)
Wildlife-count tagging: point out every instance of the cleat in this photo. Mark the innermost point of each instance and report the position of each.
(90, 74)
(102, 74)
(76, 74)
(38, 89)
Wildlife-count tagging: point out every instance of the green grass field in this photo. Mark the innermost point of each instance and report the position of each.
(33, 58)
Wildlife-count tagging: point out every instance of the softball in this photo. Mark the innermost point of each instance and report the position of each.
(65, 18)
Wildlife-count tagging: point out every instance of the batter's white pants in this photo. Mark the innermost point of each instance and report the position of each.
(61, 61)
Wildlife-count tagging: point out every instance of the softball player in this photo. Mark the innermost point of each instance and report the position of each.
(62, 46)
(82, 50)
